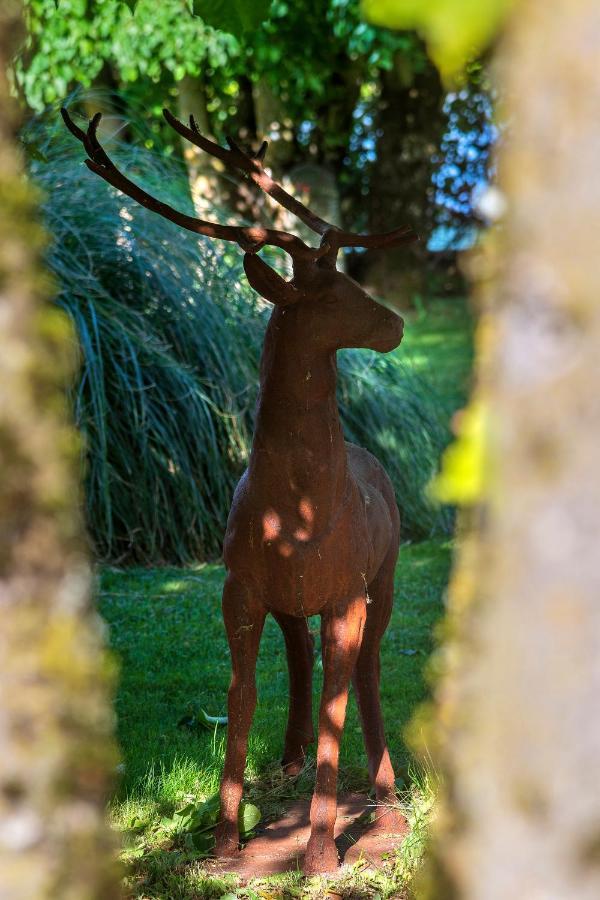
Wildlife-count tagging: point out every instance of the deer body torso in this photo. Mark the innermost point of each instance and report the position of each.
(270, 549)
(313, 516)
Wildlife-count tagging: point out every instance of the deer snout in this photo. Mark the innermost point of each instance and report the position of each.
(399, 326)
(389, 333)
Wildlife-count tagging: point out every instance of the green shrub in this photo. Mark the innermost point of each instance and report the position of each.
(170, 338)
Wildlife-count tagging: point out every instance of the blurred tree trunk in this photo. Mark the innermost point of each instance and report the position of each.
(204, 172)
(55, 719)
(518, 708)
(410, 123)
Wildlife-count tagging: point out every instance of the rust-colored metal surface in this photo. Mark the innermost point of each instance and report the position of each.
(314, 526)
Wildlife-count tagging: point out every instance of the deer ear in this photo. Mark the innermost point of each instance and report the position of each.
(268, 283)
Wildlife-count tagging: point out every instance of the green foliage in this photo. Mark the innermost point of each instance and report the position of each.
(162, 43)
(166, 630)
(193, 825)
(456, 31)
(235, 16)
(70, 46)
(273, 73)
(395, 413)
(170, 339)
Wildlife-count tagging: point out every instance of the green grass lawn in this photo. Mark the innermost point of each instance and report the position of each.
(166, 632)
(438, 344)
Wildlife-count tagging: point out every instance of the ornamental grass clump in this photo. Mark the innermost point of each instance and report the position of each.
(170, 337)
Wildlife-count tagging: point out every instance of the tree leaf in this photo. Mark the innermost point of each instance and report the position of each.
(248, 818)
(203, 841)
(235, 16)
(465, 469)
(456, 31)
(131, 5)
(196, 817)
(185, 812)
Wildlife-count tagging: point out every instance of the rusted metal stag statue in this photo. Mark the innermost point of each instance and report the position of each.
(314, 526)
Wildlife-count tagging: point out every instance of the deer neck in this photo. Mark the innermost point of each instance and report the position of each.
(298, 451)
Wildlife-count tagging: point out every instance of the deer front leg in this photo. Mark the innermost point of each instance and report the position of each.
(341, 635)
(244, 618)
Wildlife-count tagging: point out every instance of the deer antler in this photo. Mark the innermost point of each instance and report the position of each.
(252, 165)
(250, 239)
(337, 238)
(236, 158)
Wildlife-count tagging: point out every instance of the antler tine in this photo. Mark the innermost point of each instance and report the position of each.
(402, 235)
(251, 166)
(236, 147)
(73, 128)
(92, 145)
(251, 239)
(260, 153)
(195, 137)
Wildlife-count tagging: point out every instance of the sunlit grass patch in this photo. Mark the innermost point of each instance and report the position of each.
(163, 872)
(438, 344)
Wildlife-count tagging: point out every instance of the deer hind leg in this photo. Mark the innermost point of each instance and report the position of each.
(366, 680)
(341, 633)
(244, 618)
(299, 647)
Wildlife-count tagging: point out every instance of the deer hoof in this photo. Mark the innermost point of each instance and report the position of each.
(390, 821)
(321, 856)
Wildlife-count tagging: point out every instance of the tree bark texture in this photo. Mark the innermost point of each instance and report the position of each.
(55, 719)
(517, 710)
(207, 185)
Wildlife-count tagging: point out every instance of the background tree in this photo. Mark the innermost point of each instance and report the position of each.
(55, 722)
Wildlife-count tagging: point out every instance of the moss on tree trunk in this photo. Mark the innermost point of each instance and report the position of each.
(55, 718)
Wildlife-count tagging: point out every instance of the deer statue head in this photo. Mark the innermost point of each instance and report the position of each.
(314, 528)
(325, 301)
